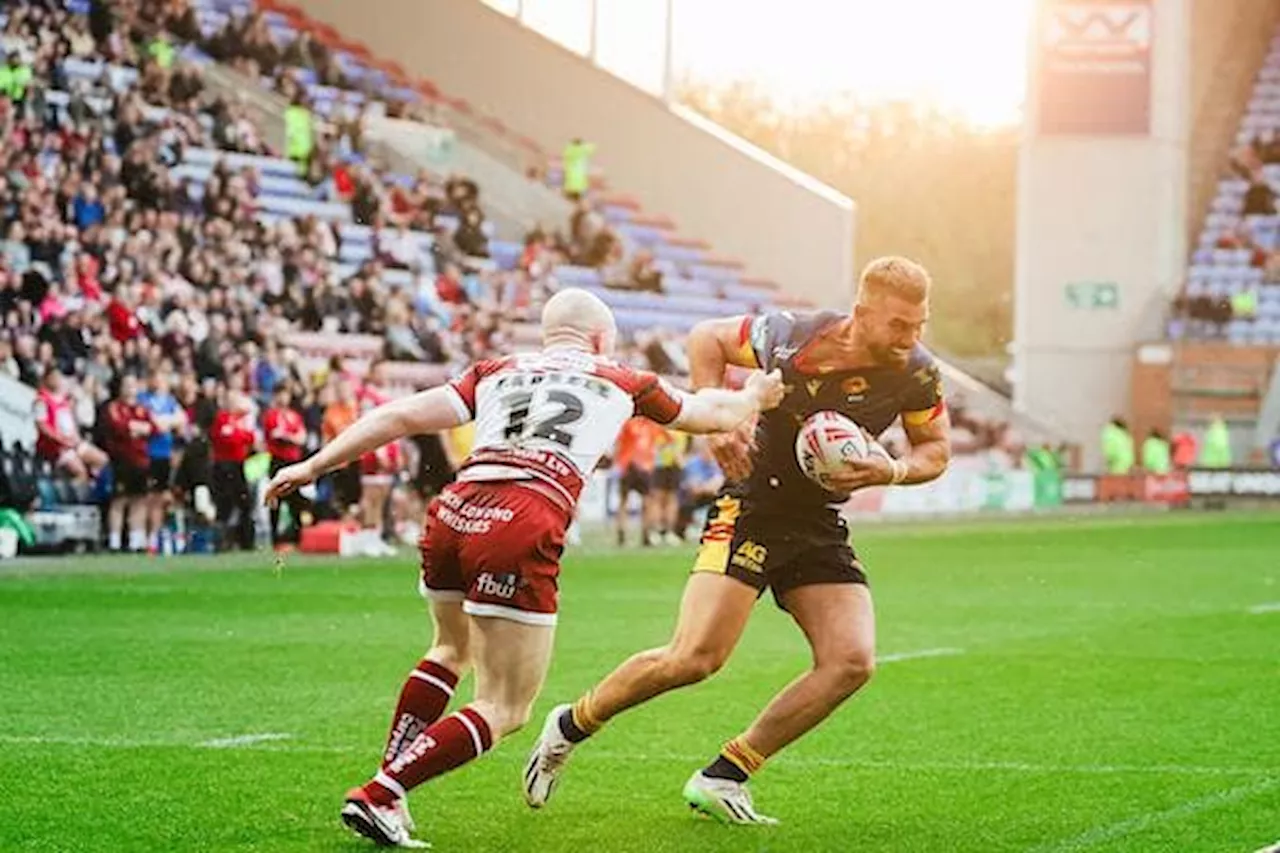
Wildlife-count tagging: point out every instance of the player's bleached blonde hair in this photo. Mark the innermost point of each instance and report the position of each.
(575, 310)
(894, 276)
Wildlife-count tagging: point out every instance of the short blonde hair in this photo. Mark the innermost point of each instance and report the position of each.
(894, 276)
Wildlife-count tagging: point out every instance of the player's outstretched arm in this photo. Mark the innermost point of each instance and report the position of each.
(427, 411)
(722, 410)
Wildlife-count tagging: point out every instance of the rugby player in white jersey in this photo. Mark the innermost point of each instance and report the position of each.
(492, 541)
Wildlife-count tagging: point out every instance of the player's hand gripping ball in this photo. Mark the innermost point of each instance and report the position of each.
(827, 443)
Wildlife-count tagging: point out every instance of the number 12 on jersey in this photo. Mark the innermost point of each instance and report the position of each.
(528, 417)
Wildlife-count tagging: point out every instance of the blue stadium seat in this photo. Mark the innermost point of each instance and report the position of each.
(578, 276)
(265, 165)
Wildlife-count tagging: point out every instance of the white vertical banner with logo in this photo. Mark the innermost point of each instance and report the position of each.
(17, 418)
(1102, 204)
(1095, 67)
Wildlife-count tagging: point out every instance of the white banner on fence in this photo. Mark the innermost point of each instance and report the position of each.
(418, 141)
(955, 491)
(17, 420)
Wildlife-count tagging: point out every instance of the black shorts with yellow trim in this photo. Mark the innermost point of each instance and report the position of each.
(776, 552)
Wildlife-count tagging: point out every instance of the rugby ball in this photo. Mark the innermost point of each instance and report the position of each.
(826, 441)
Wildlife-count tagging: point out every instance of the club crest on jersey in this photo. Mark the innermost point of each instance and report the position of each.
(750, 556)
(855, 387)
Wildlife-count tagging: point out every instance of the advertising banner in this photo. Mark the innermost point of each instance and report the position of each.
(1177, 488)
(1240, 484)
(17, 419)
(1094, 67)
(1079, 490)
(954, 492)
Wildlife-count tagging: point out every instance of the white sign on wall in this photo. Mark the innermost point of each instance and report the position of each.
(17, 420)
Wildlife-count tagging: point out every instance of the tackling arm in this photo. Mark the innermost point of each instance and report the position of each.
(712, 346)
(427, 411)
(722, 410)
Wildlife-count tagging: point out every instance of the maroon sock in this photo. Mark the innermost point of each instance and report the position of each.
(425, 695)
(445, 745)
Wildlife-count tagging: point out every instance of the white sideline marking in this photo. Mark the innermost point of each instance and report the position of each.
(922, 653)
(851, 763)
(1111, 832)
(1270, 848)
(242, 740)
(1269, 607)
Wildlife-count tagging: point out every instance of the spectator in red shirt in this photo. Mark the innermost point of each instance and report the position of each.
(121, 318)
(86, 277)
(343, 184)
(449, 286)
(127, 426)
(231, 440)
(286, 436)
(57, 435)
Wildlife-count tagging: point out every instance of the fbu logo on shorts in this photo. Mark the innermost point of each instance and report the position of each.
(498, 586)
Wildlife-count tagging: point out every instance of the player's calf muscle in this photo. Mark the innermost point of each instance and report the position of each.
(689, 666)
(504, 718)
(652, 673)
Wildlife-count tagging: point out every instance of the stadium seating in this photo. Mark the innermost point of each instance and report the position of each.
(1219, 273)
(686, 263)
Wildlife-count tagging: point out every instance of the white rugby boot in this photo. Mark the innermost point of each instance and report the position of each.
(547, 760)
(724, 800)
(383, 825)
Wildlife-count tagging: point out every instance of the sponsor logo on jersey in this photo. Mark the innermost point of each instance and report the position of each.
(813, 386)
(467, 518)
(750, 556)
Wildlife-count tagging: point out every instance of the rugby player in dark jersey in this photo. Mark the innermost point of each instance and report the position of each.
(773, 528)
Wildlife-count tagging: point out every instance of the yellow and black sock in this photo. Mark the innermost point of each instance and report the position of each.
(736, 761)
(578, 723)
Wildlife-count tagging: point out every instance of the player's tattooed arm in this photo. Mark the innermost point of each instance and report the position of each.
(427, 411)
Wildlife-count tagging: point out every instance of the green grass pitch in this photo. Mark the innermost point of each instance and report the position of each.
(1105, 687)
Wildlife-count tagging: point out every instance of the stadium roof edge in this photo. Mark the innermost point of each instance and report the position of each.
(797, 176)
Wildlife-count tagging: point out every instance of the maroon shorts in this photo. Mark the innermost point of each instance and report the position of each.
(496, 547)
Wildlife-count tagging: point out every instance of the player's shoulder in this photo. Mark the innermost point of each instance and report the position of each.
(922, 370)
(922, 361)
(795, 327)
(486, 367)
(632, 380)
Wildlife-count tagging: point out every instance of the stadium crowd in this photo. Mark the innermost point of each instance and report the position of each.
(153, 316)
(156, 315)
